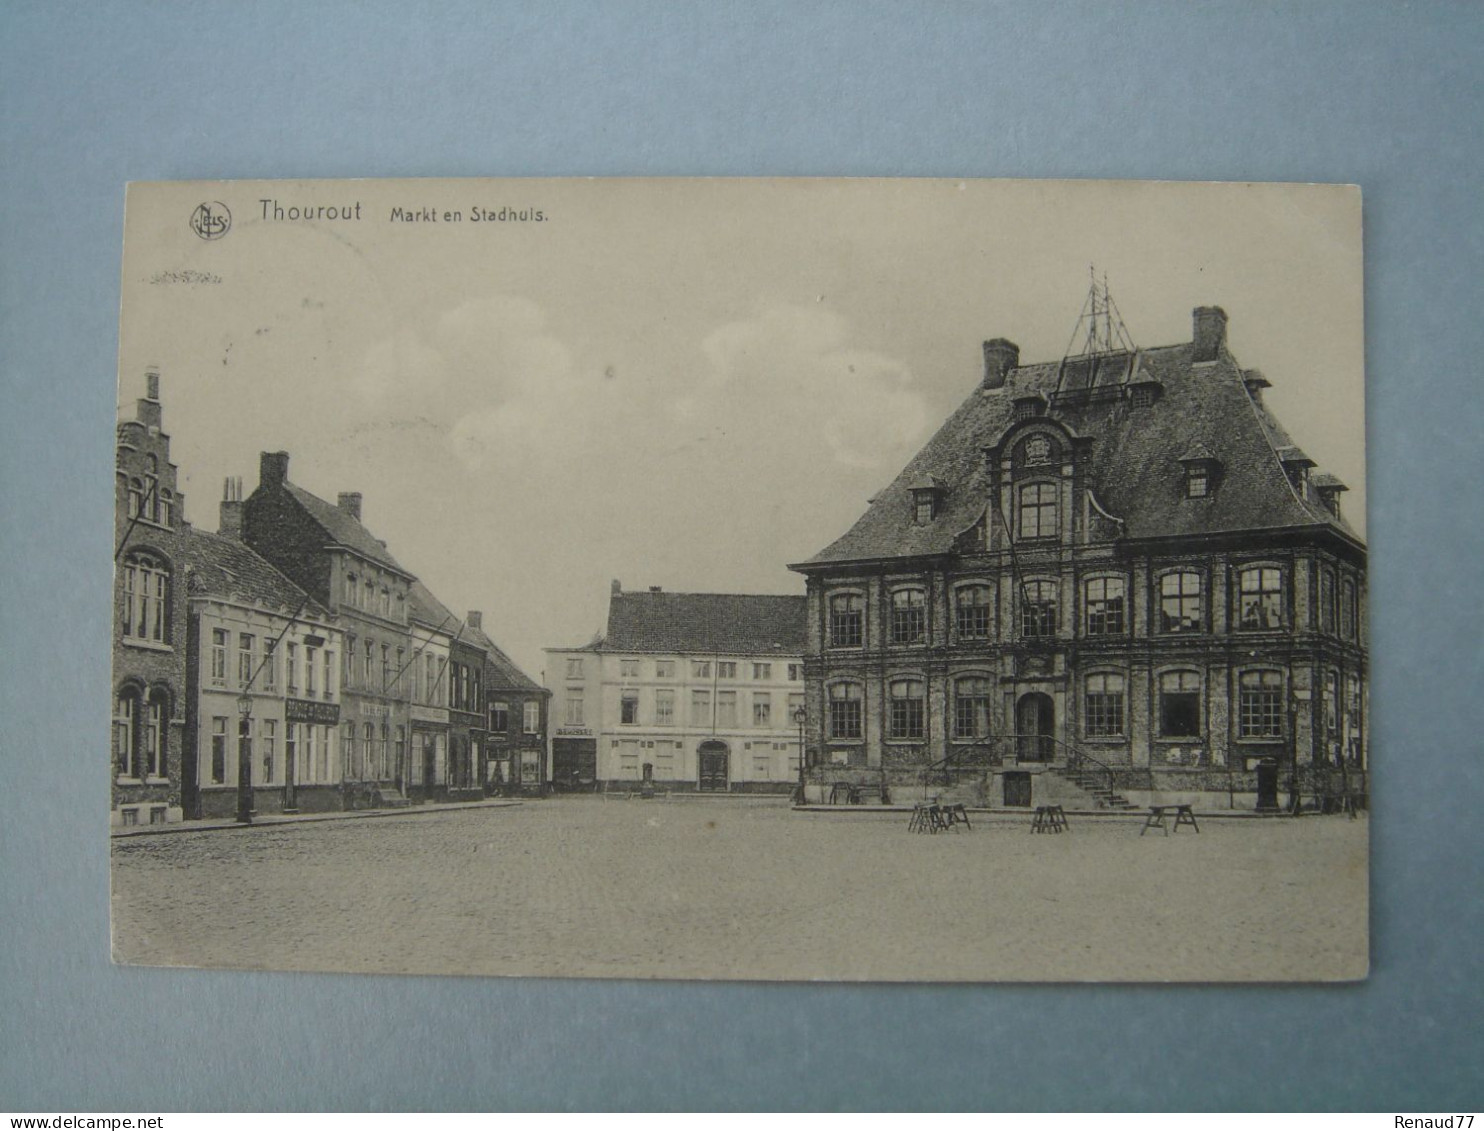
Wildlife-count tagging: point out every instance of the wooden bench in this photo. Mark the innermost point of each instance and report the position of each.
(1156, 818)
(1049, 819)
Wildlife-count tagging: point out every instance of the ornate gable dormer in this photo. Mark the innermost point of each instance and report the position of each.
(927, 499)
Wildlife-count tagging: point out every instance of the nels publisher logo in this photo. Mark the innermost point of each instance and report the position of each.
(211, 220)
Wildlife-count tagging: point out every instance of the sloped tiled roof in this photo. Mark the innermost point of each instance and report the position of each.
(342, 528)
(731, 623)
(227, 568)
(1134, 461)
(508, 675)
(427, 610)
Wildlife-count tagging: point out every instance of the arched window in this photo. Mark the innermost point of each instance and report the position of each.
(167, 508)
(1179, 705)
(1038, 510)
(1103, 717)
(1261, 598)
(1260, 705)
(845, 710)
(125, 721)
(156, 717)
(971, 707)
(847, 620)
(971, 612)
(1038, 608)
(1180, 602)
(908, 616)
(146, 611)
(1105, 603)
(1326, 599)
(907, 716)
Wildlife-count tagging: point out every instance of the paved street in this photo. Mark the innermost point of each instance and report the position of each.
(748, 889)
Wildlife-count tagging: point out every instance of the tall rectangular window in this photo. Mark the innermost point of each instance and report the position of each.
(1105, 602)
(1347, 609)
(762, 709)
(499, 716)
(218, 751)
(908, 616)
(291, 665)
(574, 707)
(847, 620)
(329, 673)
(1038, 609)
(907, 717)
(971, 707)
(846, 712)
(245, 646)
(1180, 602)
(1104, 706)
(269, 742)
(219, 656)
(311, 677)
(1260, 705)
(270, 664)
(795, 672)
(1038, 510)
(664, 707)
(726, 708)
(124, 710)
(971, 612)
(154, 737)
(531, 720)
(628, 708)
(1261, 598)
(1326, 600)
(700, 708)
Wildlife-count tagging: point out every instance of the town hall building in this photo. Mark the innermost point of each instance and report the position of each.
(1114, 572)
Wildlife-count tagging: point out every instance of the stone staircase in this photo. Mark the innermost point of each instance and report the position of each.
(1091, 784)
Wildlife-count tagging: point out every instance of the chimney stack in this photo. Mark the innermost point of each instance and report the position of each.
(350, 503)
(229, 524)
(1208, 332)
(616, 588)
(147, 408)
(273, 469)
(656, 589)
(1000, 356)
(475, 620)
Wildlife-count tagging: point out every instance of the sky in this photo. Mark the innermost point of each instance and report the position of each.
(683, 383)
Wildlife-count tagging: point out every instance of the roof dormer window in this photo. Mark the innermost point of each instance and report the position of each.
(1296, 466)
(927, 497)
(1028, 408)
(1202, 472)
(1328, 488)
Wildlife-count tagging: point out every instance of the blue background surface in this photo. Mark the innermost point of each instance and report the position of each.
(1386, 96)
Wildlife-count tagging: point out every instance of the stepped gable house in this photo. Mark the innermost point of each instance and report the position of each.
(1116, 564)
(324, 549)
(149, 621)
(686, 690)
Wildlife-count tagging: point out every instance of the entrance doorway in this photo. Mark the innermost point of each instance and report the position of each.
(1267, 785)
(1035, 722)
(713, 767)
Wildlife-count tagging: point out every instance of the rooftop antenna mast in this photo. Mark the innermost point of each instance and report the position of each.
(1100, 327)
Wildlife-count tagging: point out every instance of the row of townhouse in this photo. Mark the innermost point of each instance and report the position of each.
(288, 662)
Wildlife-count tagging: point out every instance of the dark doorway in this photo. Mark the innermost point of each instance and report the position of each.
(1018, 789)
(1035, 720)
(713, 767)
(1267, 785)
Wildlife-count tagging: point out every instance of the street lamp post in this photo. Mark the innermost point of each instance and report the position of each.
(244, 759)
(799, 716)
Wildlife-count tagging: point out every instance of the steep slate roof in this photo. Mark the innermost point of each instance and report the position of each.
(733, 623)
(1136, 474)
(342, 528)
(227, 568)
(509, 676)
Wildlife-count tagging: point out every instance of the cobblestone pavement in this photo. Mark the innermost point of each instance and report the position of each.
(749, 889)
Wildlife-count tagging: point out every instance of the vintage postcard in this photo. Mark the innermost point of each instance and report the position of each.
(870, 580)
